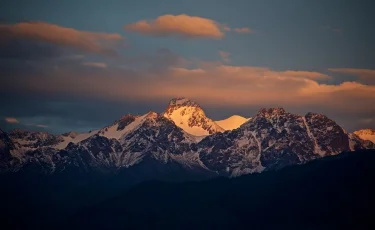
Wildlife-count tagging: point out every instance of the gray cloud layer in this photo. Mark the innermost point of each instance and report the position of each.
(64, 94)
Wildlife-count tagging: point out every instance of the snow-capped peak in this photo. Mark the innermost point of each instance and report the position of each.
(232, 122)
(189, 116)
(366, 134)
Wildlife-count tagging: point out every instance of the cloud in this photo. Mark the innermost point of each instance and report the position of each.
(366, 76)
(66, 113)
(224, 55)
(155, 78)
(366, 120)
(243, 30)
(41, 126)
(95, 64)
(180, 25)
(226, 28)
(28, 50)
(38, 125)
(306, 74)
(183, 26)
(11, 120)
(93, 42)
(223, 84)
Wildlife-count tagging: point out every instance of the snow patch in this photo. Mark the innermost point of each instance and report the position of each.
(260, 167)
(232, 122)
(317, 148)
(75, 139)
(112, 132)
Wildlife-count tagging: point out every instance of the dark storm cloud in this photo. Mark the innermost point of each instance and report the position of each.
(21, 59)
(156, 61)
(35, 88)
(72, 76)
(62, 114)
(19, 49)
(366, 76)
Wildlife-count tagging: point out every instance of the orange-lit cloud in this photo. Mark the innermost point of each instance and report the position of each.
(245, 85)
(307, 74)
(224, 55)
(165, 75)
(40, 31)
(95, 64)
(11, 120)
(225, 85)
(243, 30)
(366, 76)
(181, 25)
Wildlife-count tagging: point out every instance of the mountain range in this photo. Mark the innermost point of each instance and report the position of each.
(183, 136)
(52, 178)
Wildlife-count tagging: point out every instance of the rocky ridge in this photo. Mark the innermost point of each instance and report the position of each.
(272, 139)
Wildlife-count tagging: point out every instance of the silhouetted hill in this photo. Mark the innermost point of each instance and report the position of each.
(328, 193)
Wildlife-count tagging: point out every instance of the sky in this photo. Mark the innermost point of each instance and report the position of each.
(80, 65)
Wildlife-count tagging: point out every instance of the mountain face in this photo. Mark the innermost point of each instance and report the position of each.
(129, 141)
(356, 142)
(232, 122)
(191, 118)
(123, 145)
(272, 139)
(7, 160)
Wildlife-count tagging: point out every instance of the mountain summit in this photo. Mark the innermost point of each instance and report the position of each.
(189, 116)
(366, 134)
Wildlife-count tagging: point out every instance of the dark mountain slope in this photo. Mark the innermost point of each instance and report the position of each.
(328, 193)
(39, 201)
